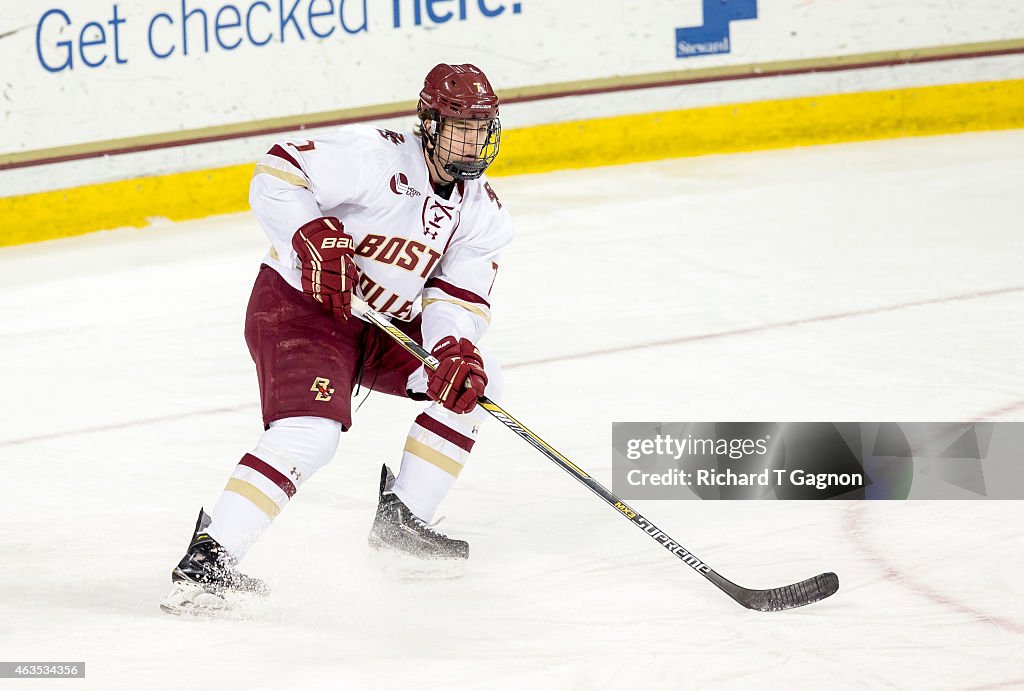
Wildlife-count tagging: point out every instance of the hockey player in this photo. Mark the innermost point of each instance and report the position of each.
(408, 223)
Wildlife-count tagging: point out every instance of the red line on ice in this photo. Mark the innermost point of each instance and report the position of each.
(770, 326)
(853, 522)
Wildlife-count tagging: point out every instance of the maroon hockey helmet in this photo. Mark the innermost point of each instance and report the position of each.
(458, 91)
(466, 132)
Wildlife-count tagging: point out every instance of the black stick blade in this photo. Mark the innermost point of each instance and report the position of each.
(789, 596)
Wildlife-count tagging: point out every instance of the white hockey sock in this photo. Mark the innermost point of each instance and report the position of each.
(436, 450)
(264, 481)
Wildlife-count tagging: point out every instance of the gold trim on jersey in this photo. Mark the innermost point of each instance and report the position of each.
(290, 178)
(255, 495)
(433, 457)
(464, 305)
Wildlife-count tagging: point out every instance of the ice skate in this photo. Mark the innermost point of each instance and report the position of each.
(206, 581)
(407, 545)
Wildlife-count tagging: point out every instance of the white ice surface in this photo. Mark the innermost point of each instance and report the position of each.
(663, 291)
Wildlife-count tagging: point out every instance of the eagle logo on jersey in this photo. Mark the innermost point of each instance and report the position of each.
(491, 194)
(323, 389)
(392, 136)
(400, 185)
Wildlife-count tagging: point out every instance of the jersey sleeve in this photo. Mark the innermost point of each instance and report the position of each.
(296, 181)
(456, 297)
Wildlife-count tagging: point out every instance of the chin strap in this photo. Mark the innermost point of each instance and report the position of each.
(430, 143)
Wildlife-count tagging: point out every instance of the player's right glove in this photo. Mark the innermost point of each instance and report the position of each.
(459, 378)
(328, 269)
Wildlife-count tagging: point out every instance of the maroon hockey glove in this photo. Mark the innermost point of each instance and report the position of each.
(459, 378)
(328, 269)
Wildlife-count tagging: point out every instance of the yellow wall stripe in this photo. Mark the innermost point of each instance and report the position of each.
(255, 495)
(80, 210)
(433, 457)
(607, 141)
(764, 125)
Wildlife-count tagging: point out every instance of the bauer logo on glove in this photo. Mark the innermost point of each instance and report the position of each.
(342, 243)
(328, 273)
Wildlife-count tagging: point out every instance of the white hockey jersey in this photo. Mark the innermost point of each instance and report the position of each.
(415, 250)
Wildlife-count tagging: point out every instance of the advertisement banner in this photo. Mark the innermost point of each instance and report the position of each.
(97, 70)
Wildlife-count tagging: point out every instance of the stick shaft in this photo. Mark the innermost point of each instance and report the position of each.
(552, 454)
(773, 599)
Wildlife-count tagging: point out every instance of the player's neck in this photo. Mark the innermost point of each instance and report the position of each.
(443, 188)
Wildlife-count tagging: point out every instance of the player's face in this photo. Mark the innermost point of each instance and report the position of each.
(463, 139)
(464, 142)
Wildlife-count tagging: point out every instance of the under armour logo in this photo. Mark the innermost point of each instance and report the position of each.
(294, 472)
(434, 213)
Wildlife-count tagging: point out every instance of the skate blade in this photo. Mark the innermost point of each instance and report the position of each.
(406, 567)
(190, 599)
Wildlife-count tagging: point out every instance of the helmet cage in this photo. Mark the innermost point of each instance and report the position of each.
(466, 145)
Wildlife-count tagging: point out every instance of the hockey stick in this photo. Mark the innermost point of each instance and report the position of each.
(774, 599)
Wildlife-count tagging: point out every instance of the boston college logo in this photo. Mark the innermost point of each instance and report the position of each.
(400, 185)
(323, 389)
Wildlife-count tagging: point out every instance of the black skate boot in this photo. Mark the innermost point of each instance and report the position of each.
(206, 575)
(398, 530)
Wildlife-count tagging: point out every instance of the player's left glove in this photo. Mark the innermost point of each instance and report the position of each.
(459, 378)
(328, 269)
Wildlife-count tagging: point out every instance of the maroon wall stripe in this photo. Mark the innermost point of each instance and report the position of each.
(279, 151)
(763, 73)
(270, 472)
(455, 291)
(295, 127)
(447, 433)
